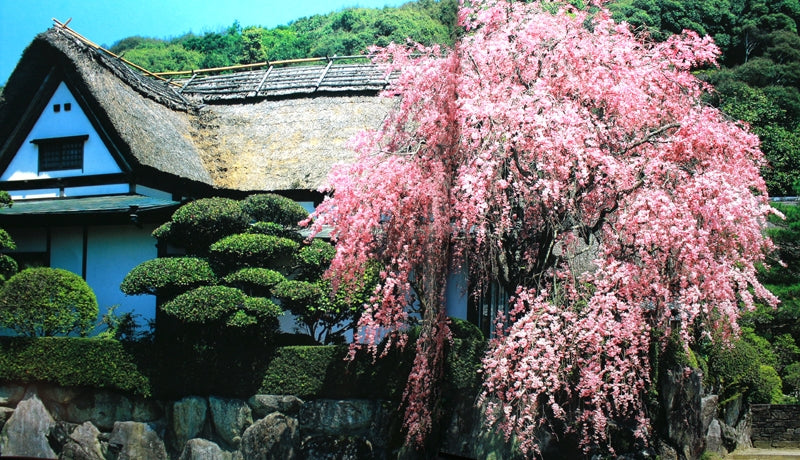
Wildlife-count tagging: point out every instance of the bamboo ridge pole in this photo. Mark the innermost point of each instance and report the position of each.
(80, 37)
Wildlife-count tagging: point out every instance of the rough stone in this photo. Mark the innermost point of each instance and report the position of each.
(230, 417)
(25, 432)
(57, 394)
(101, 408)
(708, 411)
(203, 449)
(328, 447)
(275, 436)
(84, 444)
(5, 414)
(145, 410)
(328, 416)
(188, 416)
(263, 405)
(714, 442)
(136, 440)
(680, 397)
(11, 394)
(732, 411)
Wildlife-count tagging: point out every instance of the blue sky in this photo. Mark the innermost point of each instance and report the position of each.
(107, 21)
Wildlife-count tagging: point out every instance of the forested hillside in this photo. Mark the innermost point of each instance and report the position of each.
(342, 33)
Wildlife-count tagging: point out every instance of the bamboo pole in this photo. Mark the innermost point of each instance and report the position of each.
(80, 37)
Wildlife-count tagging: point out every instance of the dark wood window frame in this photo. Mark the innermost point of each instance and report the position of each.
(61, 153)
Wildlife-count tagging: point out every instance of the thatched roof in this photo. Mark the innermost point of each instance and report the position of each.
(263, 130)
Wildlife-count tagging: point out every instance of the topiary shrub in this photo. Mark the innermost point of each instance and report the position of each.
(196, 225)
(313, 259)
(47, 301)
(168, 276)
(255, 281)
(271, 228)
(269, 207)
(210, 304)
(251, 250)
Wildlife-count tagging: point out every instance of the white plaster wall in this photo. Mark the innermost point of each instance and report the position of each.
(112, 252)
(457, 293)
(97, 158)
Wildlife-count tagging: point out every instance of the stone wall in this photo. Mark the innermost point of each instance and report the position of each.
(46, 421)
(775, 425)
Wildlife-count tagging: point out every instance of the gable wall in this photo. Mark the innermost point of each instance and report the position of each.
(52, 124)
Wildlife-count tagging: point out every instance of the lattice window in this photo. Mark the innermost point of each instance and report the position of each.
(61, 153)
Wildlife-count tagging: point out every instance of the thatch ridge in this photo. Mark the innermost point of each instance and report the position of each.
(266, 130)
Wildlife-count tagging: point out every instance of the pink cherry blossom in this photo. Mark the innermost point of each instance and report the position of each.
(540, 138)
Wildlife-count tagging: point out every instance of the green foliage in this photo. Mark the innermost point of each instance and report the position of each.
(768, 388)
(269, 207)
(250, 250)
(8, 267)
(168, 276)
(464, 355)
(158, 56)
(6, 242)
(297, 296)
(255, 281)
(313, 259)
(198, 224)
(47, 301)
(791, 379)
(739, 368)
(346, 32)
(72, 362)
(271, 228)
(207, 305)
(323, 372)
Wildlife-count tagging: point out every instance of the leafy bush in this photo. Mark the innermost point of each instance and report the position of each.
(255, 281)
(464, 355)
(323, 372)
(167, 276)
(196, 225)
(269, 207)
(207, 304)
(8, 267)
(313, 259)
(271, 228)
(250, 250)
(297, 296)
(71, 361)
(768, 388)
(47, 301)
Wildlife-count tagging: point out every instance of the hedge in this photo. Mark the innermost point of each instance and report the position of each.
(323, 372)
(71, 361)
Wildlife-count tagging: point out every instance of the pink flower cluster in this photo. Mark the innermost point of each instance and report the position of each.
(540, 136)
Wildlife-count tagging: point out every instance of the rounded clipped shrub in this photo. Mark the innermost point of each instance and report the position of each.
(255, 281)
(298, 296)
(167, 275)
(47, 301)
(205, 304)
(251, 250)
(313, 259)
(197, 224)
(5, 241)
(271, 228)
(211, 304)
(269, 207)
(8, 267)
